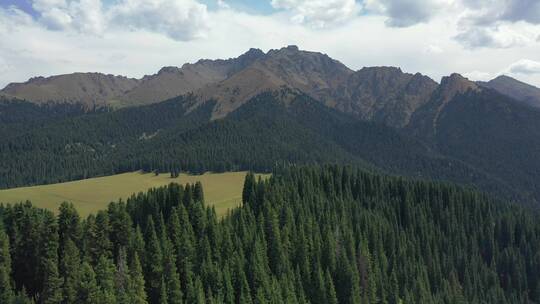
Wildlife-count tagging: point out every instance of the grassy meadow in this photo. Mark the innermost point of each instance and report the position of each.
(222, 190)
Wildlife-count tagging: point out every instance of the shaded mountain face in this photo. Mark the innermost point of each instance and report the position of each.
(88, 89)
(485, 129)
(424, 120)
(520, 91)
(383, 94)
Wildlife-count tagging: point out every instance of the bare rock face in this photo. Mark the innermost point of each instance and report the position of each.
(313, 73)
(384, 94)
(170, 82)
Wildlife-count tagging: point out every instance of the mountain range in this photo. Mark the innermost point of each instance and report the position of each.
(261, 108)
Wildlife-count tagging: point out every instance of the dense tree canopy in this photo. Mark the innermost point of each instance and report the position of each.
(307, 235)
(51, 144)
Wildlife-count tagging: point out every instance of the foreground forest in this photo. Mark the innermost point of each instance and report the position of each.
(327, 234)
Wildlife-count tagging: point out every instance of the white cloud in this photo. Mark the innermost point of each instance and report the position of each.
(222, 4)
(524, 66)
(404, 13)
(178, 19)
(79, 15)
(478, 37)
(135, 48)
(493, 11)
(318, 13)
(493, 23)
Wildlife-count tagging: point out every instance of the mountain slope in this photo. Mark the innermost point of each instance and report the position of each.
(282, 126)
(383, 94)
(170, 82)
(485, 129)
(516, 89)
(89, 89)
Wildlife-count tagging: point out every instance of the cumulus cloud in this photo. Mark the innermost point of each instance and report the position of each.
(492, 11)
(12, 17)
(524, 66)
(318, 13)
(404, 13)
(482, 20)
(178, 19)
(81, 15)
(480, 37)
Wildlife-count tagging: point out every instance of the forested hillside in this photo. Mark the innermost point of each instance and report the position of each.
(283, 106)
(278, 127)
(327, 234)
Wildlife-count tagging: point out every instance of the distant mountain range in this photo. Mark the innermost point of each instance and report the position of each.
(382, 94)
(260, 109)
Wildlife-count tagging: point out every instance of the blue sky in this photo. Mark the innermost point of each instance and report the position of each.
(259, 7)
(480, 39)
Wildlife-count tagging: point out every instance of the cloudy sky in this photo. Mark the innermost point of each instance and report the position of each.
(478, 38)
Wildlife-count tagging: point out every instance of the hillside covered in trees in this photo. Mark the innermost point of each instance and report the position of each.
(62, 143)
(315, 234)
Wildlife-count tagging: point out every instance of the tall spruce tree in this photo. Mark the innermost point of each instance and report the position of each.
(52, 283)
(154, 262)
(6, 288)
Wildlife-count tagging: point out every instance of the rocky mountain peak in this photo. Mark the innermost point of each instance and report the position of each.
(455, 84)
(168, 69)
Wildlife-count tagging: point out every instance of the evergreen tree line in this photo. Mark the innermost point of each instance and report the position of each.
(311, 234)
(171, 136)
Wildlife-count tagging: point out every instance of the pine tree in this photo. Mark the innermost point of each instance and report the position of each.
(331, 296)
(52, 284)
(105, 281)
(138, 245)
(200, 297)
(172, 279)
(6, 289)
(122, 279)
(137, 291)
(163, 292)
(248, 192)
(87, 289)
(70, 271)
(183, 239)
(198, 193)
(154, 262)
(69, 224)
